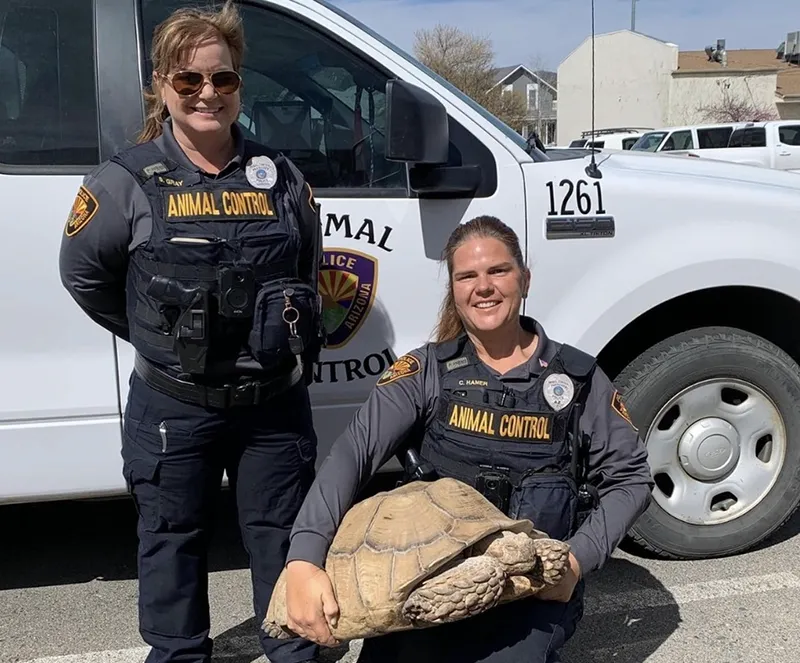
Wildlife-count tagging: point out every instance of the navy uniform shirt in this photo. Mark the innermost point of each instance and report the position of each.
(94, 260)
(618, 459)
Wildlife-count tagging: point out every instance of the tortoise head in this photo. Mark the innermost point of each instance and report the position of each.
(516, 552)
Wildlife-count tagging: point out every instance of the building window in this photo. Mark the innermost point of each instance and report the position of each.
(533, 96)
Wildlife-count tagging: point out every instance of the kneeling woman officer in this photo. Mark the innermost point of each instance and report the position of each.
(496, 404)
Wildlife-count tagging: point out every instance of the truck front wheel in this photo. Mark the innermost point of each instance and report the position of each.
(718, 409)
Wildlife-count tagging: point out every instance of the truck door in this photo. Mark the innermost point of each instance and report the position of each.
(59, 415)
(314, 88)
(787, 151)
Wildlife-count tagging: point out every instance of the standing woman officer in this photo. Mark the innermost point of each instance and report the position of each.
(472, 398)
(201, 249)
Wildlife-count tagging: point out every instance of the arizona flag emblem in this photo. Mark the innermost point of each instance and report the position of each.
(347, 282)
(619, 407)
(83, 209)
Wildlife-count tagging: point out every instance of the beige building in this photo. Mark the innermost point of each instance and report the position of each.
(648, 83)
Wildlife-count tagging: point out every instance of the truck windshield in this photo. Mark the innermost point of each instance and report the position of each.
(502, 126)
(649, 142)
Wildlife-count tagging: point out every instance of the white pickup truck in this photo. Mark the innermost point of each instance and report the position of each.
(774, 144)
(681, 275)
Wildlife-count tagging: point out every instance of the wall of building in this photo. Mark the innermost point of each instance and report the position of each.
(693, 93)
(635, 67)
(789, 110)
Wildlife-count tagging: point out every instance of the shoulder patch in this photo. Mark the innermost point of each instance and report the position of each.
(619, 407)
(403, 367)
(83, 210)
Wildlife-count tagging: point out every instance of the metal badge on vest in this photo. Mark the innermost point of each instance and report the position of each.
(219, 272)
(518, 448)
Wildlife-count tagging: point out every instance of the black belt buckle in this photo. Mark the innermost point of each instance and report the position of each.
(247, 393)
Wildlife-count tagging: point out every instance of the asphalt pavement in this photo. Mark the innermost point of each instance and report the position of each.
(68, 595)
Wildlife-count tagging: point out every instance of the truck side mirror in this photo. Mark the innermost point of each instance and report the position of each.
(416, 125)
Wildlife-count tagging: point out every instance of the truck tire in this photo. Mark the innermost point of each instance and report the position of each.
(719, 411)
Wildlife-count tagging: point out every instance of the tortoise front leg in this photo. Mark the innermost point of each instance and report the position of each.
(469, 587)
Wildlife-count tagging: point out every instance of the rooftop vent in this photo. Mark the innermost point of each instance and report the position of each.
(718, 54)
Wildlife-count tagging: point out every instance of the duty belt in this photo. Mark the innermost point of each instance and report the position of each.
(247, 393)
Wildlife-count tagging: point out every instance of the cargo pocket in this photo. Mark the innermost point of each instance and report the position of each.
(141, 477)
(283, 322)
(550, 501)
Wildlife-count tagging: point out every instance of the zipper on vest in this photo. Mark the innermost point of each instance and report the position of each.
(162, 428)
(195, 239)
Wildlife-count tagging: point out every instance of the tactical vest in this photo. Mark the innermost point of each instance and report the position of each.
(217, 281)
(513, 446)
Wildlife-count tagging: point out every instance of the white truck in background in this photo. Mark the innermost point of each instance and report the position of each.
(680, 275)
(681, 139)
(774, 144)
(618, 138)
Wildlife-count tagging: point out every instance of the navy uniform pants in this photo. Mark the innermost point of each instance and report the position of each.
(174, 455)
(525, 631)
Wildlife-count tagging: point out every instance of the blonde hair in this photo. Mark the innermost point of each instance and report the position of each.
(173, 41)
(449, 325)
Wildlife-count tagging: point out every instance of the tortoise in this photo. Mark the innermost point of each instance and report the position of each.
(427, 553)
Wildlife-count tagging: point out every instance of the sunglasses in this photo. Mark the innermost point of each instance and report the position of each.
(187, 83)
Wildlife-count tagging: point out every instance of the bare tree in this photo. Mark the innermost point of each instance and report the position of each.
(736, 107)
(467, 61)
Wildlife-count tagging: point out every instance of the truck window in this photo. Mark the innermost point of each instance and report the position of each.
(679, 140)
(310, 98)
(748, 137)
(322, 105)
(48, 113)
(709, 139)
(649, 142)
(628, 143)
(789, 134)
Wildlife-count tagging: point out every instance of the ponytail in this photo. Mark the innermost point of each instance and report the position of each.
(449, 325)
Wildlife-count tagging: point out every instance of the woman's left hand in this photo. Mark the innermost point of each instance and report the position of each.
(562, 592)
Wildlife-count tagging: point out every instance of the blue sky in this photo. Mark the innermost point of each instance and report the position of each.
(524, 31)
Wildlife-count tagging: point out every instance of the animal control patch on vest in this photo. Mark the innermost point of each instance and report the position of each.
(404, 367)
(503, 425)
(619, 407)
(218, 205)
(83, 210)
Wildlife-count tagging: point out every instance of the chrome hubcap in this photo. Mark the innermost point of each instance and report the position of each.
(715, 450)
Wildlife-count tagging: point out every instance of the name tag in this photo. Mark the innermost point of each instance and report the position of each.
(499, 424)
(218, 205)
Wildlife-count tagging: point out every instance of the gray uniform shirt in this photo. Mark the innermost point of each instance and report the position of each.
(94, 258)
(618, 459)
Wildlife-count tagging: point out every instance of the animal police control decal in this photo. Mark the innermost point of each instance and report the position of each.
(404, 367)
(83, 209)
(348, 281)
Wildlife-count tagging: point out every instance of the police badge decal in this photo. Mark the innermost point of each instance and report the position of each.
(261, 172)
(558, 391)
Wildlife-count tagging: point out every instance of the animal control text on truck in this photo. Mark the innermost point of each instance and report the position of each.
(682, 275)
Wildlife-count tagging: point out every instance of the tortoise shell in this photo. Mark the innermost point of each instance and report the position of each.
(389, 543)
